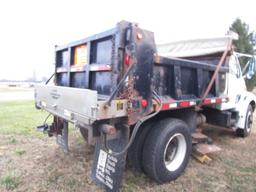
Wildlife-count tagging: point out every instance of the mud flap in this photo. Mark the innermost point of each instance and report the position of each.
(62, 139)
(108, 168)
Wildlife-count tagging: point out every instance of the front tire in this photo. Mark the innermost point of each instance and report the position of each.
(245, 132)
(167, 150)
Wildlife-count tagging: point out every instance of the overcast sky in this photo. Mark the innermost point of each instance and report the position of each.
(30, 28)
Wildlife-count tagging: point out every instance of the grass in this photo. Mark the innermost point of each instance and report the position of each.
(10, 182)
(20, 152)
(12, 140)
(20, 118)
(72, 183)
(133, 182)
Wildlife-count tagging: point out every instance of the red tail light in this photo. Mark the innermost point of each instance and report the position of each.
(127, 60)
(144, 103)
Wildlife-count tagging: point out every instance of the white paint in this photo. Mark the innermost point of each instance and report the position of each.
(239, 97)
(67, 113)
(213, 100)
(102, 161)
(191, 103)
(43, 103)
(173, 105)
(242, 106)
(176, 158)
(235, 85)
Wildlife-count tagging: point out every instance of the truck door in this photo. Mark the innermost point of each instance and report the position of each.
(235, 83)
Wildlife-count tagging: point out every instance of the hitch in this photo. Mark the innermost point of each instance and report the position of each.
(43, 128)
(59, 129)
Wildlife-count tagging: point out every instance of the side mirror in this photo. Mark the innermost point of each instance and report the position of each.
(250, 68)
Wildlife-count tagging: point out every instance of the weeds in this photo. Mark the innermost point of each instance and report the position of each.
(12, 140)
(10, 182)
(133, 182)
(71, 183)
(20, 152)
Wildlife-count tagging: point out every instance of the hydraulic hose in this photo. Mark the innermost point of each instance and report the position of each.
(120, 84)
(136, 128)
(49, 79)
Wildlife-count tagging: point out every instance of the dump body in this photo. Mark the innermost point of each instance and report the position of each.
(113, 74)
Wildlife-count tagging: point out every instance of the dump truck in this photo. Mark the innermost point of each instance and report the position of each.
(142, 103)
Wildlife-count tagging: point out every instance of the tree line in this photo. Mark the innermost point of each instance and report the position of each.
(245, 44)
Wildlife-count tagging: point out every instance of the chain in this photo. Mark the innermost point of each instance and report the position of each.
(130, 109)
(113, 60)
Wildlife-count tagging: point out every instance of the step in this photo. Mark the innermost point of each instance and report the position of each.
(199, 138)
(204, 149)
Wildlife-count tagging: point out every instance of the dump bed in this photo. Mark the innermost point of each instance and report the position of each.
(114, 74)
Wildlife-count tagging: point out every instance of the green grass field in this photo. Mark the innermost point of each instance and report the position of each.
(20, 117)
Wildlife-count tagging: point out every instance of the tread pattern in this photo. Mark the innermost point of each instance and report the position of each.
(154, 148)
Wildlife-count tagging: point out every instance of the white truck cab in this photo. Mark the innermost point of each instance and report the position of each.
(241, 101)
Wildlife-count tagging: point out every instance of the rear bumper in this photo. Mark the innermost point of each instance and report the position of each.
(79, 106)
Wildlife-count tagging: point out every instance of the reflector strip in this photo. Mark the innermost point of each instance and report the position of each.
(207, 101)
(100, 68)
(165, 106)
(61, 69)
(182, 104)
(185, 104)
(224, 99)
(213, 100)
(173, 105)
(192, 103)
(77, 68)
(219, 100)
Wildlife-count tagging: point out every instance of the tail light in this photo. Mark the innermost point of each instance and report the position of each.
(144, 103)
(127, 60)
(139, 36)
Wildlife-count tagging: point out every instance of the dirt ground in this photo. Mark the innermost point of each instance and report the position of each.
(38, 164)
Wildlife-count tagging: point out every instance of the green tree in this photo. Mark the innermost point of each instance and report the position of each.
(245, 44)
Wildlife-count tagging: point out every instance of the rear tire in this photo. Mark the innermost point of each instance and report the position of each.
(167, 150)
(136, 149)
(248, 124)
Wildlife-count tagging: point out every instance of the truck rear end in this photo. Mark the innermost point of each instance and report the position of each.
(111, 84)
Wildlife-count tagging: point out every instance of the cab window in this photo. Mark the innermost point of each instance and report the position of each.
(234, 66)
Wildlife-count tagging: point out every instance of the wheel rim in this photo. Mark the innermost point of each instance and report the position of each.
(175, 151)
(249, 121)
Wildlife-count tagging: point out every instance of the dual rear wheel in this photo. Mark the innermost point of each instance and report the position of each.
(162, 150)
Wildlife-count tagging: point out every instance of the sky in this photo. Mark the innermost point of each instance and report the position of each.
(29, 29)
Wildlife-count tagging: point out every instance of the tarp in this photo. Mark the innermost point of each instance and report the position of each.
(196, 47)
